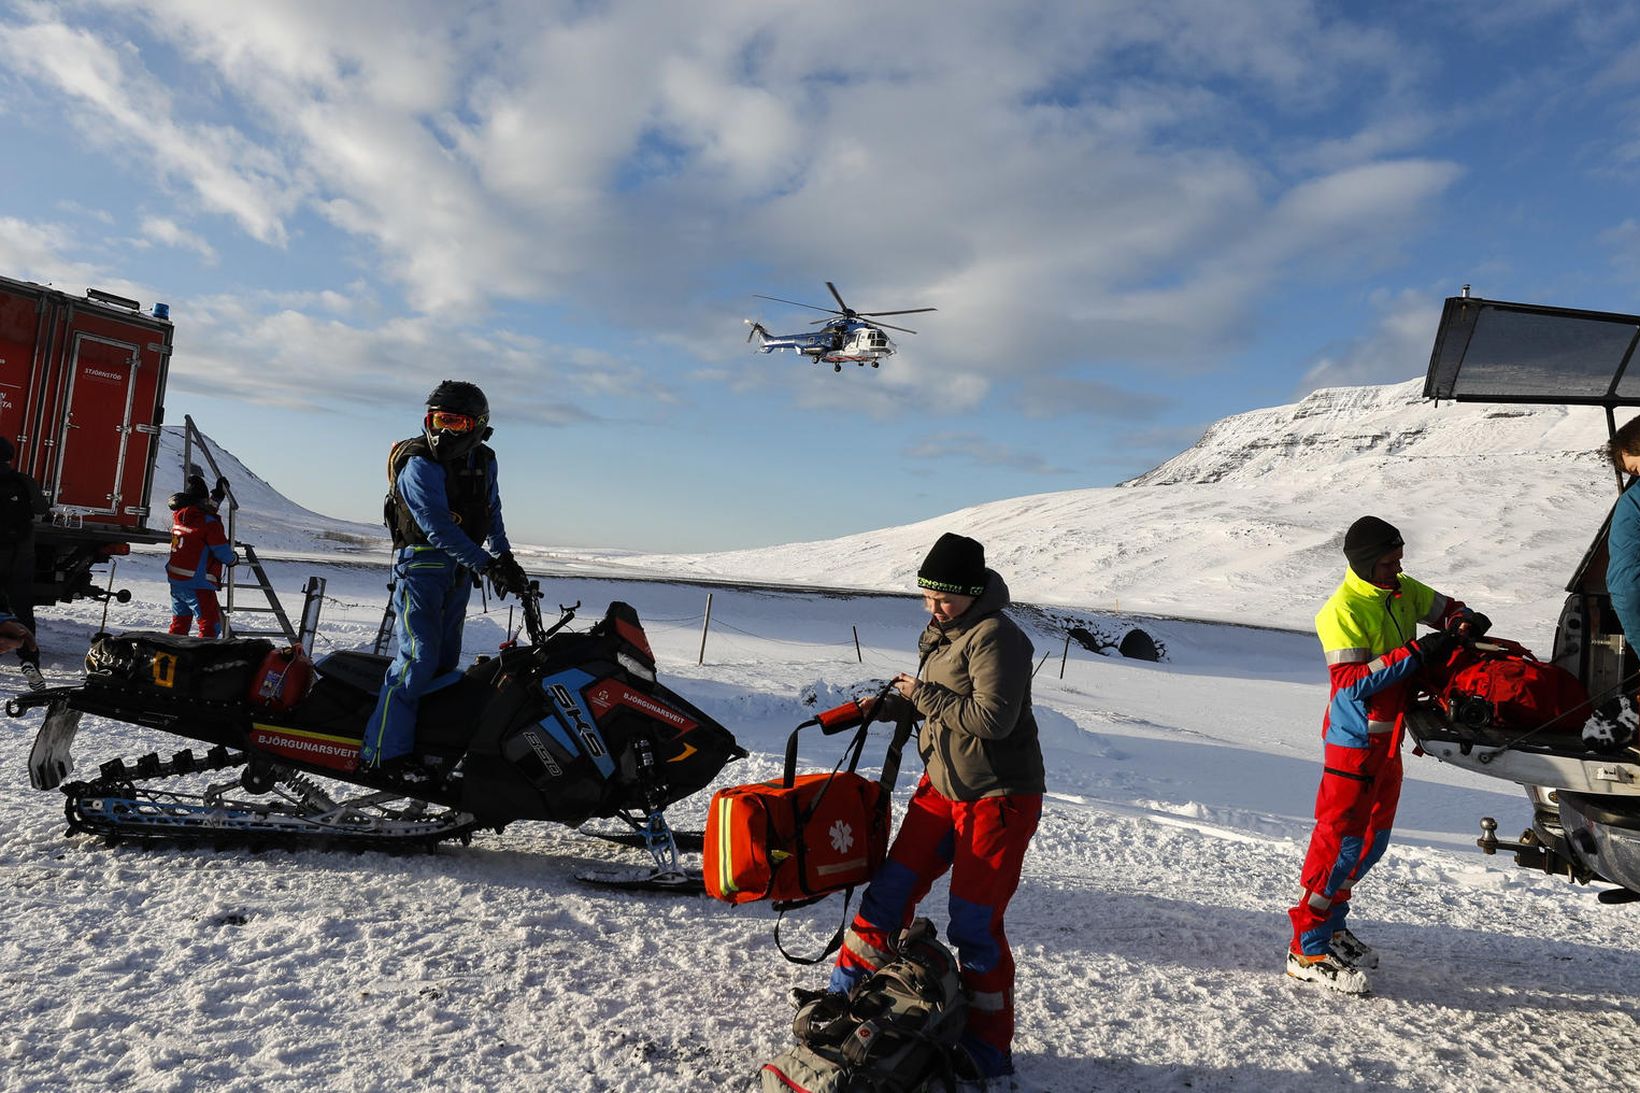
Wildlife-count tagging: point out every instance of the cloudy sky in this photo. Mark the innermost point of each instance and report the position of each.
(1134, 217)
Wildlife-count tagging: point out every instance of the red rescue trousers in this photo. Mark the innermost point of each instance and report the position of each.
(983, 844)
(1354, 811)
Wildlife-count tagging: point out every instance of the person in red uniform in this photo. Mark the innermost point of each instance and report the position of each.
(1368, 630)
(975, 807)
(199, 551)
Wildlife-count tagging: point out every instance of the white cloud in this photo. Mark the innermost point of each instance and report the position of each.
(976, 449)
(1396, 350)
(1099, 198)
(167, 232)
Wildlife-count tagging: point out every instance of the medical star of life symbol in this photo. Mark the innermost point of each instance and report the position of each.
(842, 837)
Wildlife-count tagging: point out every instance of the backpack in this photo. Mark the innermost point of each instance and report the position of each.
(16, 509)
(893, 1033)
(1498, 685)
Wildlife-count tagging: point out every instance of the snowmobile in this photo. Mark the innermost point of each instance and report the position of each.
(1583, 780)
(566, 727)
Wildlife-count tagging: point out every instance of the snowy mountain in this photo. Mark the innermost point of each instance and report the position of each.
(266, 518)
(1496, 503)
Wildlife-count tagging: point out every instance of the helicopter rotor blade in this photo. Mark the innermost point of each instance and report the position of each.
(794, 303)
(838, 296)
(907, 311)
(889, 326)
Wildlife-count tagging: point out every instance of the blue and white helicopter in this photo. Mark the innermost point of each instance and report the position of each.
(850, 337)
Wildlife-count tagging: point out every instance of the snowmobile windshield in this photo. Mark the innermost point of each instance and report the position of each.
(1487, 351)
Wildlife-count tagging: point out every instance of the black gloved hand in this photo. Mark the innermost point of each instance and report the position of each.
(1435, 647)
(1469, 624)
(506, 575)
(221, 489)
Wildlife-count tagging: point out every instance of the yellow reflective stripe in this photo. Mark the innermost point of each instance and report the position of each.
(1347, 656)
(868, 953)
(726, 873)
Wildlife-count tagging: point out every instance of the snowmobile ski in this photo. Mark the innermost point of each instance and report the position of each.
(688, 841)
(640, 880)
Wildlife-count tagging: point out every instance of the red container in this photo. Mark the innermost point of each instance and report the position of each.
(82, 384)
(283, 680)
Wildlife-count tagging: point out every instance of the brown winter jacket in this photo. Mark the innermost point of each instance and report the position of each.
(978, 736)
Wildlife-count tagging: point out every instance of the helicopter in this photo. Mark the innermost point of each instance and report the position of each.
(853, 336)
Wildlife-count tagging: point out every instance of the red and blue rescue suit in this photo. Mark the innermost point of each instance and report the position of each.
(443, 512)
(1364, 631)
(974, 812)
(199, 550)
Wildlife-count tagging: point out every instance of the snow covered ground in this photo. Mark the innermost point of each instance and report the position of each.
(1149, 927)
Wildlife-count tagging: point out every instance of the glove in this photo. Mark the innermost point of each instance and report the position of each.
(1469, 624)
(506, 575)
(1434, 648)
(221, 489)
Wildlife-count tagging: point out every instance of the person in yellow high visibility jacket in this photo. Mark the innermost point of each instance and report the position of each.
(1369, 632)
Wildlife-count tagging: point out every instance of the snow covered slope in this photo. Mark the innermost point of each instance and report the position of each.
(1497, 505)
(266, 519)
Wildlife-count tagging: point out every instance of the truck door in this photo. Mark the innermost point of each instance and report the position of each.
(91, 452)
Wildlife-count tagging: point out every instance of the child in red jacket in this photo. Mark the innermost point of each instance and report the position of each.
(199, 550)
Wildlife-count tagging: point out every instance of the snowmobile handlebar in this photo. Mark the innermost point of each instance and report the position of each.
(539, 632)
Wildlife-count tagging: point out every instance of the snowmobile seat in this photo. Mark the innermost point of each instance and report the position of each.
(361, 671)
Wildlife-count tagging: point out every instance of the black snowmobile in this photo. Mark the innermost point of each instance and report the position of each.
(568, 727)
(1583, 782)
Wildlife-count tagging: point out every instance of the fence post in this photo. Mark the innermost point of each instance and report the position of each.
(857, 654)
(704, 626)
(1040, 663)
(1065, 655)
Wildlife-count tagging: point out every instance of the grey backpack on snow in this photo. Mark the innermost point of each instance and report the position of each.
(893, 1033)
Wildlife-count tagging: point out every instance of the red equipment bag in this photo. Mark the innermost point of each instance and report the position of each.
(1498, 684)
(283, 679)
(800, 837)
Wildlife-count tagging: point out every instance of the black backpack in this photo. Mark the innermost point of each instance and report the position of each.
(893, 1033)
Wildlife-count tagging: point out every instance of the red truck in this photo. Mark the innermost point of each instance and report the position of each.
(82, 386)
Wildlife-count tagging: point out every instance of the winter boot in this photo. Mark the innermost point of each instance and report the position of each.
(31, 672)
(1352, 950)
(1327, 970)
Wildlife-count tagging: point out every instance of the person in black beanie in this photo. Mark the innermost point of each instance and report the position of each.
(1368, 631)
(976, 806)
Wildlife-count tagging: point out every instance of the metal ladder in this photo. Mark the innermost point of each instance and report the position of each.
(312, 593)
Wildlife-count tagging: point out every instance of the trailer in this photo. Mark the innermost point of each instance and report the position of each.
(82, 389)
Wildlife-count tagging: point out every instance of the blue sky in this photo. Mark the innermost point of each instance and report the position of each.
(1134, 218)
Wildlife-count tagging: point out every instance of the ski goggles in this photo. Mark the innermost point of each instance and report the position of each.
(448, 421)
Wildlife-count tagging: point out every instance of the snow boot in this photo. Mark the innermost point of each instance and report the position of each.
(1327, 970)
(1352, 950)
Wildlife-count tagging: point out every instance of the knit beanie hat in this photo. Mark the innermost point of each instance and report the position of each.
(1368, 540)
(955, 564)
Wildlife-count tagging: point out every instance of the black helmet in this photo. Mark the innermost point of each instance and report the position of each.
(460, 399)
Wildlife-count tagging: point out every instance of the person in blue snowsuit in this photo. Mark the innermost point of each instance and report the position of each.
(444, 504)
